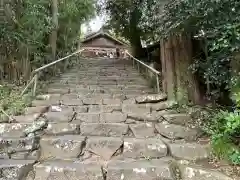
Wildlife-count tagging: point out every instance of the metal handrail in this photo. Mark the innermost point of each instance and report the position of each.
(55, 62)
(147, 66)
(157, 73)
(36, 71)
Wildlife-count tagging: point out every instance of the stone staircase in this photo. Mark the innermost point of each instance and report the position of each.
(101, 121)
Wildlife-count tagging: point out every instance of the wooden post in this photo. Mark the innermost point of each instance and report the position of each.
(163, 59)
(53, 36)
(158, 85)
(35, 84)
(170, 71)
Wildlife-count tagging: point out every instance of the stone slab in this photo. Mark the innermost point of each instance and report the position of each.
(135, 109)
(105, 147)
(63, 116)
(67, 170)
(88, 118)
(13, 129)
(104, 129)
(57, 129)
(175, 132)
(189, 151)
(116, 117)
(62, 147)
(179, 119)
(143, 130)
(152, 98)
(15, 169)
(140, 170)
(12, 146)
(141, 148)
(200, 173)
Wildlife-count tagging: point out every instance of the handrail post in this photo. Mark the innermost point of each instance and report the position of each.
(138, 67)
(158, 85)
(25, 89)
(35, 84)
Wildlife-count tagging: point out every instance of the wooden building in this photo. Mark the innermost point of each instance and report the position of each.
(102, 44)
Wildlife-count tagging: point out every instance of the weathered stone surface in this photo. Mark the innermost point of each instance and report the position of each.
(129, 101)
(143, 130)
(11, 146)
(81, 109)
(112, 101)
(59, 90)
(13, 130)
(67, 170)
(71, 102)
(95, 109)
(105, 147)
(174, 132)
(180, 119)
(135, 109)
(102, 93)
(140, 148)
(37, 103)
(62, 147)
(111, 108)
(48, 97)
(34, 110)
(88, 118)
(152, 98)
(116, 117)
(150, 117)
(15, 169)
(104, 108)
(189, 151)
(92, 101)
(63, 116)
(104, 129)
(32, 155)
(27, 118)
(62, 129)
(36, 126)
(199, 173)
(161, 105)
(119, 96)
(140, 170)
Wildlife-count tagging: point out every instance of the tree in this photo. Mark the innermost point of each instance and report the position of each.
(38, 31)
(131, 19)
(215, 25)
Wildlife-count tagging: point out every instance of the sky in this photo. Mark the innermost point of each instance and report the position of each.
(95, 24)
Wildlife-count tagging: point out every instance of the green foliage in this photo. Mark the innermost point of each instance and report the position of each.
(224, 129)
(134, 20)
(26, 32)
(71, 15)
(11, 101)
(215, 23)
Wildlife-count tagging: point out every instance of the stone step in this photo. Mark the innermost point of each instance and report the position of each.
(164, 168)
(15, 169)
(67, 170)
(104, 129)
(189, 151)
(71, 147)
(19, 148)
(141, 169)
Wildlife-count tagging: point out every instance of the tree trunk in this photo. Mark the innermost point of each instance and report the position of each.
(53, 36)
(170, 71)
(178, 81)
(164, 83)
(135, 34)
